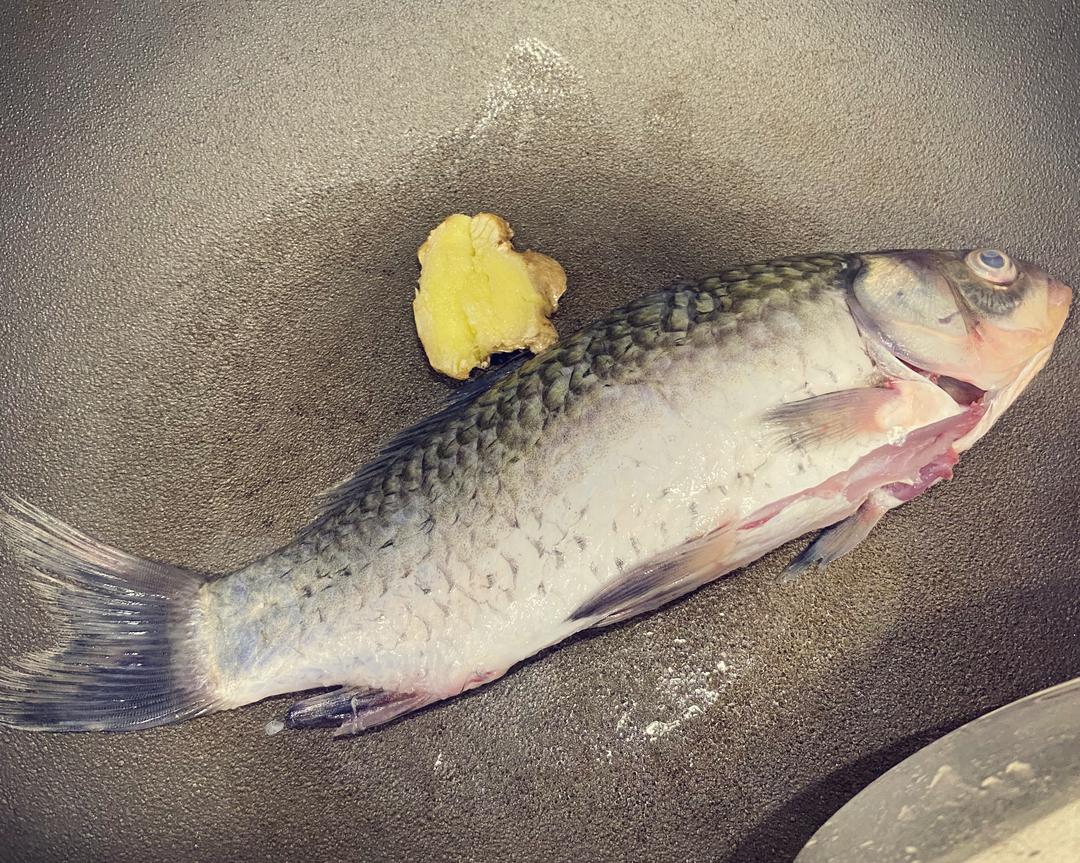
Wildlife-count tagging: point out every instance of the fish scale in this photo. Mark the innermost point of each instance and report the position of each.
(674, 440)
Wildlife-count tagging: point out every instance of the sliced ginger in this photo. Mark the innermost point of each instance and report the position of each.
(478, 296)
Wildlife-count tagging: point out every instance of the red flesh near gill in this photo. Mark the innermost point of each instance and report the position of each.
(929, 474)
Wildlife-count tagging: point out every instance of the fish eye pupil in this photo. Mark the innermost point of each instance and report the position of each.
(992, 258)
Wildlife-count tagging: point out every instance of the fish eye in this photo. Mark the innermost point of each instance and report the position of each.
(992, 265)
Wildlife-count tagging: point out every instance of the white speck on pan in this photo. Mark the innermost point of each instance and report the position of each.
(684, 692)
(657, 728)
(688, 692)
(512, 91)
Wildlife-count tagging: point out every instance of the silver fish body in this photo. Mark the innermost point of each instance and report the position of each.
(675, 440)
(470, 548)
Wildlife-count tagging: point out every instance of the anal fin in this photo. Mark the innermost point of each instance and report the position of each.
(353, 709)
(660, 580)
(387, 709)
(327, 708)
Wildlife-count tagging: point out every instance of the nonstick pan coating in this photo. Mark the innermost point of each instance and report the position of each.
(210, 214)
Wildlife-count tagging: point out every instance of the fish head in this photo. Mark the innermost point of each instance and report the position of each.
(978, 322)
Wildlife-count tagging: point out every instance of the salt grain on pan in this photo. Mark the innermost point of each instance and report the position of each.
(688, 693)
(656, 728)
(684, 692)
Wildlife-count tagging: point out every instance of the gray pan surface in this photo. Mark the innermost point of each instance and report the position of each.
(209, 216)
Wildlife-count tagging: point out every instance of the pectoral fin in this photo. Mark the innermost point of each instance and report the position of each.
(831, 417)
(660, 580)
(899, 405)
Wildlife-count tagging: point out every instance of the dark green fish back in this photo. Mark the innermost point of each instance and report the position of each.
(501, 420)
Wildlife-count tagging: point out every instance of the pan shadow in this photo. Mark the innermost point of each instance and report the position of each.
(961, 662)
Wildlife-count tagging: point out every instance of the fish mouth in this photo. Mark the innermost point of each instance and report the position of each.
(1059, 296)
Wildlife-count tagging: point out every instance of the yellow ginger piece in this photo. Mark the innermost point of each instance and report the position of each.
(478, 296)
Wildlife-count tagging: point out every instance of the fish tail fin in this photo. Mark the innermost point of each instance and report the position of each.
(130, 653)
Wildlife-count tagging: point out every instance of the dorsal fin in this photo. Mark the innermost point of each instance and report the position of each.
(462, 396)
